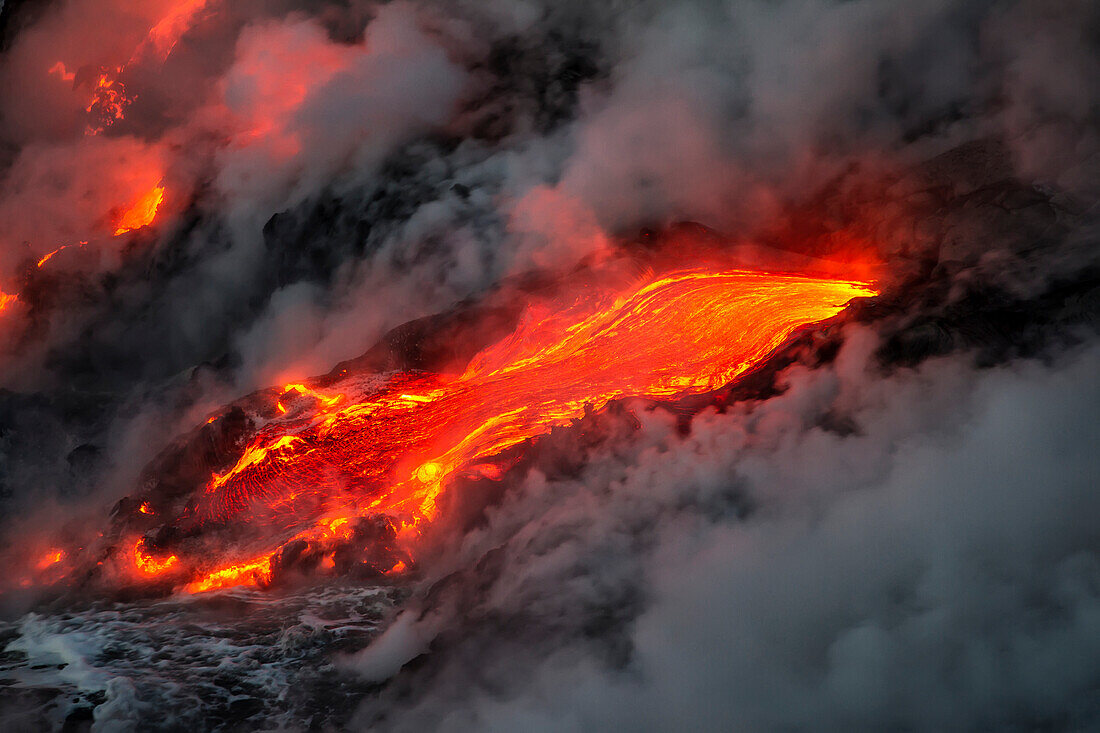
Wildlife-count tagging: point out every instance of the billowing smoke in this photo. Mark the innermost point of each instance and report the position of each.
(890, 526)
(917, 553)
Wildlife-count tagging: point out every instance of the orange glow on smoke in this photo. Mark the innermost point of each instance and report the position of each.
(141, 212)
(62, 73)
(164, 36)
(392, 452)
(50, 558)
(271, 79)
(109, 98)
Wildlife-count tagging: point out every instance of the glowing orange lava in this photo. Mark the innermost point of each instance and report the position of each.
(46, 258)
(150, 565)
(256, 572)
(109, 101)
(139, 214)
(108, 98)
(142, 212)
(392, 452)
(255, 455)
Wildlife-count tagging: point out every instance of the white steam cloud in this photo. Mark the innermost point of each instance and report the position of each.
(936, 569)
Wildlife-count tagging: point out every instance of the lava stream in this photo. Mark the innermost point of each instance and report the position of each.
(391, 453)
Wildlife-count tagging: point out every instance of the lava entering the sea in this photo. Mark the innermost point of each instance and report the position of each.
(378, 452)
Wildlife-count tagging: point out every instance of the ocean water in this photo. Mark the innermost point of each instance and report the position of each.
(238, 660)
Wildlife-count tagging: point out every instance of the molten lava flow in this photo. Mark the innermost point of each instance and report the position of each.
(109, 101)
(46, 257)
(150, 565)
(391, 452)
(258, 570)
(7, 300)
(301, 389)
(141, 212)
(255, 455)
(255, 572)
(49, 255)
